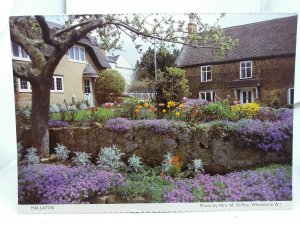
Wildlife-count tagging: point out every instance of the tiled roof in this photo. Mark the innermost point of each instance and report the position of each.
(256, 40)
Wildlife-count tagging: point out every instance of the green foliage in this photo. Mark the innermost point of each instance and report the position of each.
(147, 184)
(164, 58)
(171, 86)
(127, 109)
(274, 100)
(217, 111)
(109, 86)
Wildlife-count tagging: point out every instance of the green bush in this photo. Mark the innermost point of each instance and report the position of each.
(171, 86)
(109, 86)
(217, 111)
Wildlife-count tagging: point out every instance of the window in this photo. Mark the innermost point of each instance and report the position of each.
(207, 95)
(18, 52)
(57, 84)
(245, 69)
(87, 86)
(290, 96)
(24, 86)
(206, 73)
(77, 54)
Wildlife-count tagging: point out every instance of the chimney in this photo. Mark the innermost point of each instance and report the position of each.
(192, 26)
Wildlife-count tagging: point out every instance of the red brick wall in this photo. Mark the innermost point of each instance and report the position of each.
(274, 74)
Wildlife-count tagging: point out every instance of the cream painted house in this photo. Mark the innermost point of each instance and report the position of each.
(120, 64)
(75, 74)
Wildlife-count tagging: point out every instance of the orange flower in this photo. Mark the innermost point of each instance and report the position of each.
(176, 162)
(195, 113)
(152, 108)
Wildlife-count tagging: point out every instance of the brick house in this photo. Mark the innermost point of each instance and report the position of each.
(75, 74)
(264, 61)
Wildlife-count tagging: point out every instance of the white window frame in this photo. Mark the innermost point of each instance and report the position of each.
(55, 84)
(73, 49)
(289, 96)
(204, 70)
(247, 90)
(28, 89)
(245, 67)
(19, 57)
(212, 95)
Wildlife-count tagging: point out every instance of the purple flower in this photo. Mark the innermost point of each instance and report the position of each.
(57, 123)
(53, 184)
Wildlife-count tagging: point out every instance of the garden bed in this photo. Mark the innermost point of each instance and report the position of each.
(58, 184)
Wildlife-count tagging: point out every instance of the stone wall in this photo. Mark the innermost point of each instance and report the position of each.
(216, 148)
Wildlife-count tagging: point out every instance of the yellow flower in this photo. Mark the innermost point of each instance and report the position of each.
(164, 111)
(177, 114)
(136, 110)
(140, 107)
(146, 105)
(181, 106)
(171, 104)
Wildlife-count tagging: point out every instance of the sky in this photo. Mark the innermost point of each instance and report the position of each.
(131, 55)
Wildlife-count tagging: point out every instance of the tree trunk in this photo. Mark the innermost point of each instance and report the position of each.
(40, 117)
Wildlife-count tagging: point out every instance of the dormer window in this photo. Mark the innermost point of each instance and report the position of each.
(245, 69)
(77, 54)
(18, 52)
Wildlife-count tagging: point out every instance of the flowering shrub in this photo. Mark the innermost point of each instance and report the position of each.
(57, 123)
(265, 136)
(237, 186)
(157, 126)
(247, 110)
(58, 184)
(119, 124)
(144, 110)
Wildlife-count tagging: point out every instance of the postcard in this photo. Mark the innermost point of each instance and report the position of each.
(154, 112)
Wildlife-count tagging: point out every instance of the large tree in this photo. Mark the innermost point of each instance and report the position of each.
(145, 68)
(34, 34)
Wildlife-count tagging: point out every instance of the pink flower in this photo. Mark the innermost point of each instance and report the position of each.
(184, 99)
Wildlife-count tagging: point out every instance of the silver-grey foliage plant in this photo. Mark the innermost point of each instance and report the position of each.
(196, 166)
(110, 158)
(62, 153)
(135, 163)
(31, 157)
(82, 158)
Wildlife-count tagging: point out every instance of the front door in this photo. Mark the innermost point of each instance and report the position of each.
(246, 96)
(88, 90)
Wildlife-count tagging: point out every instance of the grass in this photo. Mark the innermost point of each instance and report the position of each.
(83, 114)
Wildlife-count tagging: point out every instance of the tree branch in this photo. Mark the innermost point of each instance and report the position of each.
(60, 32)
(46, 32)
(25, 72)
(35, 54)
